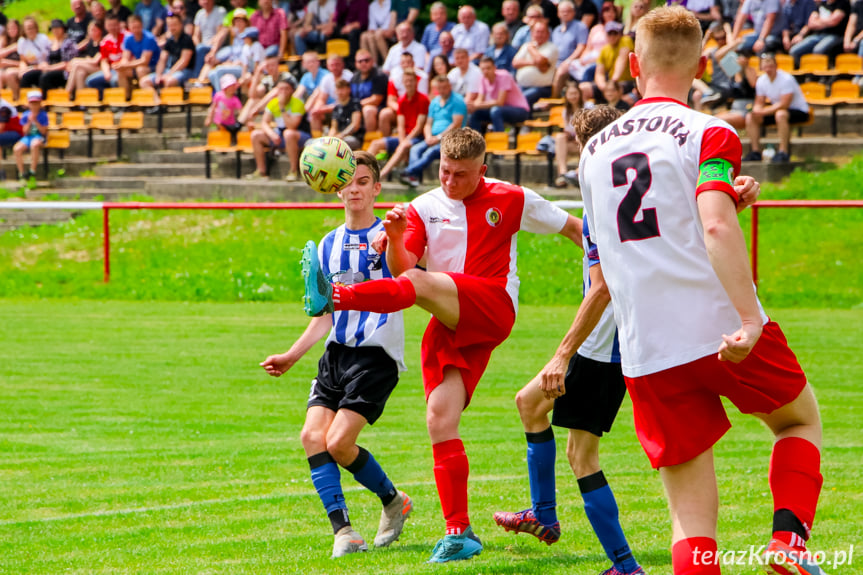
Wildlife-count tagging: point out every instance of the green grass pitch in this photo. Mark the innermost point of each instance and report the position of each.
(142, 437)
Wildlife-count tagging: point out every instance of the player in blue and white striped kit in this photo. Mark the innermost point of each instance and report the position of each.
(358, 371)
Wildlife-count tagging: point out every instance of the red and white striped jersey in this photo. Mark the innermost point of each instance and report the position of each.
(639, 179)
(477, 235)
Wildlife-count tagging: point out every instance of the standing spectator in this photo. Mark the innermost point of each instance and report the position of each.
(120, 10)
(612, 64)
(787, 106)
(766, 20)
(347, 122)
(33, 50)
(152, 15)
(565, 143)
(382, 28)
(87, 61)
(534, 63)
(291, 132)
(318, 26)
(272, 26)
(854, 30)
(369, 87)
(827, 27)
(445, 48)
(438, 24)
(321, 102)
(406, 43)
(500, 100)
(10, 125)
(208, 29)
(406, 11)
(511, 10)
(446, 112)
(225, 109)
(570, 37)
(465, 76)
(177, 59)
(140, 55)
(795, 14)
(34, 126)
(470, 33)
(413, 109)
(532, 15)
(52, 74)
(501, 51)
(110, 54)
(312, 77)
(352, 17)
(76, 26)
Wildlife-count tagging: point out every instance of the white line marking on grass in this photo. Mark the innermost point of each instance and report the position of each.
(205, 502)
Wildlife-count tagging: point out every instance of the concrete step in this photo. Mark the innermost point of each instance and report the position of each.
(145, 170)
(83, 194)
(13, 219)
(106, 183)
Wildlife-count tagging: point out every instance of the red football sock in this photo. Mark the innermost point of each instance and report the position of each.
(695, 556)
(795, 480)
(378, 296)
(450, 472)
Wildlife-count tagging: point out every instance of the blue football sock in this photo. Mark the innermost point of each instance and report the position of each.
(601, 510)
(369, 474)
(541, 453)
(327, 481)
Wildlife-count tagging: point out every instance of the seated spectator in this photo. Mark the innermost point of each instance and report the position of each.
(9, 46)
(88, 58)
(446, 112)
(438, 24)
(177, 60)
(318, 26)
(110, 54)
(582, 68)
(612, 65)
(413, 109)
(10, 125)
(53, 74)
(549, 11)
(34, 126)
(241, 5)
(240, 58)
(534, 64)
(730, 8)
(262, 86)
(637, 9)
(382, 29)
(465, 76)
(707, 12)
(501, 51)
(152, 15)
(532, 15)
(612, 93)
(719, 89)
(500, 100)
(766, 16)
(445, 48)
(511, 12)
(854, 29)
(742, 91)
(97, 13)
(565, 143)
(140, 55)
(312, 77)
(570, 37)
(291, 130)
(369, 87)
(208, 33)
(396, 89)
(321, 103)
(272, 25)
(352, 17)
(586, 12)
(347, 122)
(120, 10)
(826, 33)
(406, 43)
(406, 11)
(470, 33)
(76, 26)
(33, 50)
(225, 109)
(397, 74)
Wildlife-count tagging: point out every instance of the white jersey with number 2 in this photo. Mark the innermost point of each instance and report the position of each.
(640, 178)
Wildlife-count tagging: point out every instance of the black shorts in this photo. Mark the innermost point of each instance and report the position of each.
(357, 378)
(794, 117)
(594, 392)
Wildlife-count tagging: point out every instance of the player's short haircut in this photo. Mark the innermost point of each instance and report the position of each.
(589, 122)
(364, 158)
(462, 144)
(668, 39)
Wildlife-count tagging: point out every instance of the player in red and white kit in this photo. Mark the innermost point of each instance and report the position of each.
(467, 228)
(659, 200)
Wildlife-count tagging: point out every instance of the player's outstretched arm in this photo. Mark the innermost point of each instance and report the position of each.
(589, 313)
(399, 258)
(726, 249)
(319, 327)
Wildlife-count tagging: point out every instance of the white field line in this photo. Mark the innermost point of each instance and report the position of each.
(228, 500)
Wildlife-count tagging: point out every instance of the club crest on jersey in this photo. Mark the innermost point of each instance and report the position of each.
(493, 217)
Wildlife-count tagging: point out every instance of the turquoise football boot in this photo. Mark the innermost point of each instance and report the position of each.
(318, 298)
(456, 547)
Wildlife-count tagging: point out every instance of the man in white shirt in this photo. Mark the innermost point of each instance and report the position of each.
(534, 64)
(318, 26)
(406, 43)
(469, 34)
(465, 77)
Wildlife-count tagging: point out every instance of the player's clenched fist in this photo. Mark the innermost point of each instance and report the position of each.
(276, 365)
(748, 189)
(736, 347)
(552, 378)
(396, 221)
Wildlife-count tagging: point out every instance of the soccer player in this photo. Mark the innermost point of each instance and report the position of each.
(660, 205)
(467, 228)
(357, 373)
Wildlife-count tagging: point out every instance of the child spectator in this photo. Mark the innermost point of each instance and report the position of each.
(347, 122)
(226, 107)
(34, 126)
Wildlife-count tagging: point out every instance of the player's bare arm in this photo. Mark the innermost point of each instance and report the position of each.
(726, 249)
(572, 229)
(399, 259)
(278, 364)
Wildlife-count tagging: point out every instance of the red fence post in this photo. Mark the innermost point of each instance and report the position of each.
(106, 241)
(754, 239)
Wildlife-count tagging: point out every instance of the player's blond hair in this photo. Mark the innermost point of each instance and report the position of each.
(668, 39)
(364, 158)
(589, 121)
(462, 144)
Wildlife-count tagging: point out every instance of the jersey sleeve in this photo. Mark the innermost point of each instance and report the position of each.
(719, 162)
(415, 234)
(590, 248)
(540, 216)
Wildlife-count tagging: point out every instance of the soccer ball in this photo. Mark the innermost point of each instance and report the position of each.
(327, 165)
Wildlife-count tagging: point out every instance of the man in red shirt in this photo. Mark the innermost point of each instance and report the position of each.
(110, 52)
(467, 231)
(413, 109)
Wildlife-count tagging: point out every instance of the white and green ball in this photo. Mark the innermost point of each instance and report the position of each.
(327, 164)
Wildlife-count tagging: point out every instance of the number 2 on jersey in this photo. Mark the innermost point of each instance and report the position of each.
(628, 228)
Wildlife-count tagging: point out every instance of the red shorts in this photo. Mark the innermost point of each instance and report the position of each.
(486, 317)
(679, 414)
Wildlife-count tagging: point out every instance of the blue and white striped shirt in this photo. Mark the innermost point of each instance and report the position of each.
(602, 344)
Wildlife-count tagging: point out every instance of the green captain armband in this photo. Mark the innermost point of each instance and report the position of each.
(715, 170)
